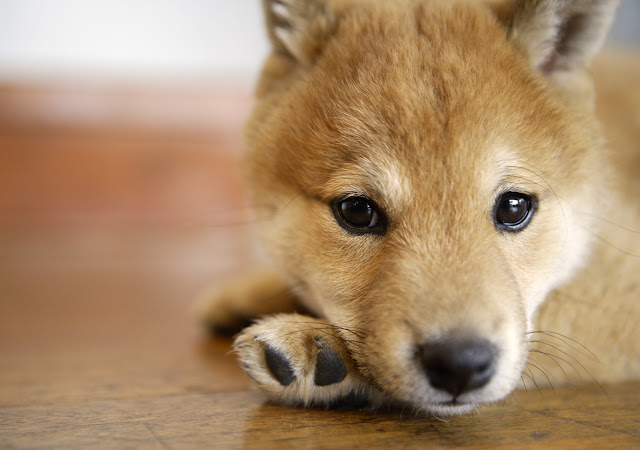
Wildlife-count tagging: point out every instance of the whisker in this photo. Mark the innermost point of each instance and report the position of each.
(327, 331)
(561, 359)
(514, 394)
(302, 191)
(439, 419)
(302, 330)
(524, 385)
(316, 326)
(231, 217)
(548, 344)
(528, 180)
(543, 373)
(611, 244)
(553, 358)
(338, 327)
(560, 335)
(574, 359)
(533, 379)
(609, 222)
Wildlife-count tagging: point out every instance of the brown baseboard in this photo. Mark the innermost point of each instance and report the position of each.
(93, 156)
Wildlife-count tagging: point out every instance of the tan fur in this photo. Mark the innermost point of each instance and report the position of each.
(433, 109)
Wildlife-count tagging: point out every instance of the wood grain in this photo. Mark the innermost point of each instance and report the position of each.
(98, 348)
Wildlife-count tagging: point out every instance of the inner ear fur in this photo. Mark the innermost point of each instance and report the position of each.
(298, 29)
(560, 35)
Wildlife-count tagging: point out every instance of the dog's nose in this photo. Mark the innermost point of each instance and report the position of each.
(458, 365)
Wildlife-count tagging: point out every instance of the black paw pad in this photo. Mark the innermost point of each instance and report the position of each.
(329, 368)
(279, 365)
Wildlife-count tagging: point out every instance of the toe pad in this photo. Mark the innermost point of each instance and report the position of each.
(279, 365)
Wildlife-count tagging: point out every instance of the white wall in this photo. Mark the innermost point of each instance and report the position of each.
(130, 39)
(146, 40)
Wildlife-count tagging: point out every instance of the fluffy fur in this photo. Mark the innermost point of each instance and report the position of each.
(433, 109)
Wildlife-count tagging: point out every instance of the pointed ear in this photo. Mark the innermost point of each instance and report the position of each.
(561, 35)
(298, 28)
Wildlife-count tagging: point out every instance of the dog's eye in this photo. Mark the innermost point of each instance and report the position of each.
(513, 211)
(358, 215)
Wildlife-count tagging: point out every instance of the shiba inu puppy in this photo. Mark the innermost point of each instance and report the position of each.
(437, 194)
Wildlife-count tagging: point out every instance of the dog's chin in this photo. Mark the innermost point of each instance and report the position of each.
(440, 407)
(449, 409)
(440, 404)
(453, 407)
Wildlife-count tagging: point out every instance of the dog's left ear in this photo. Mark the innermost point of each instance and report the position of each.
(561, 35)
(298, 29)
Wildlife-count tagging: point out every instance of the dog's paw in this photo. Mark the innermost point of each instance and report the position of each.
(226, 308)
(299, 360)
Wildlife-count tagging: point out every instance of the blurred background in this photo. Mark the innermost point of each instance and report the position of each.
(133, 40)
(120, 138)
(120, 130)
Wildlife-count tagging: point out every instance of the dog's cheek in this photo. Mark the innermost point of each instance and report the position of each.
(329, 266)
(347, 262)
(546, 256)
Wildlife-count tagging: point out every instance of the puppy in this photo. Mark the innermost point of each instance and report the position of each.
(436, 192)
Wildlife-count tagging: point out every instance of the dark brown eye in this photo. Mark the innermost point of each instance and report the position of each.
(513, 211)
(358, 215)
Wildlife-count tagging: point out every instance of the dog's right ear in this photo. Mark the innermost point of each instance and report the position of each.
(298, 29)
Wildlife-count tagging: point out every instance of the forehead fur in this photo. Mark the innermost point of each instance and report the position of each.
(433, 86)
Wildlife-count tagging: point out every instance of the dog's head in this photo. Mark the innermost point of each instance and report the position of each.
(427, 171)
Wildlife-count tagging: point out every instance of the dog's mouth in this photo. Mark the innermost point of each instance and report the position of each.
(453, 402)
(452, 376)
(447, 375)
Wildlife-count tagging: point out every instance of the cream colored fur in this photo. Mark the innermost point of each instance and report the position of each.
(433, 110)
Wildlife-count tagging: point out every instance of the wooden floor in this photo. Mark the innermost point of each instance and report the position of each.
(99, 264)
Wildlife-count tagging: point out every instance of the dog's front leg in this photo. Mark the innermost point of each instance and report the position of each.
(226, 308)
(303, 361)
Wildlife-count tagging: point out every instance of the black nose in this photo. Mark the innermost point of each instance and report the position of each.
(458, 365)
